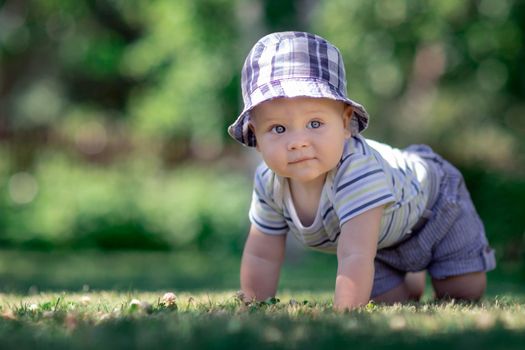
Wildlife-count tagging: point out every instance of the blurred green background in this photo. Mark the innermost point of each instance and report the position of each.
(113, 114)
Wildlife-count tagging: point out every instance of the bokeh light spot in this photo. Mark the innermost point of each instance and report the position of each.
(494, 9)
(385, 78)
(391, 12)
(491, 75)
(22, 188)
(92, 138)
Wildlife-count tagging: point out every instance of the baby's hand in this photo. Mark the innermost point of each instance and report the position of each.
(240, 296)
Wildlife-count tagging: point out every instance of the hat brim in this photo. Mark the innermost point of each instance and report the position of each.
(240, 129)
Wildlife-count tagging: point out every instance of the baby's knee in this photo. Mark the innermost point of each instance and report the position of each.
(415, 282)
(469, 287)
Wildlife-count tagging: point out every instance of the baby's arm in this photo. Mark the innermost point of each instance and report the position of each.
(356, 250)
(261, 264)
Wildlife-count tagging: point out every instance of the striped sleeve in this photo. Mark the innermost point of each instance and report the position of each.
(264, 213)
(361, 184)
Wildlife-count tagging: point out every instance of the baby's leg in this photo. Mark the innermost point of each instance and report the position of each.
(469, 286)
(411, 289)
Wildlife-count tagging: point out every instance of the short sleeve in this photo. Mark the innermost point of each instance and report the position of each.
(360, 184)
(265, 213)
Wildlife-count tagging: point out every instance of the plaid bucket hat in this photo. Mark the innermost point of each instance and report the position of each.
(292, 64)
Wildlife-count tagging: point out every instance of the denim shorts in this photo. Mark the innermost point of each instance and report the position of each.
(452, 242)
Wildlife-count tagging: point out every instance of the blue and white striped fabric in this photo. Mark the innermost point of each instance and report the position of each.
(369, 174)
(292, 64)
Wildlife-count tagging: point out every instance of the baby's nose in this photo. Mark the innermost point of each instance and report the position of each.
(298, 141)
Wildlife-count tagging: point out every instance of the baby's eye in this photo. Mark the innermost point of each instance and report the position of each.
(314, 124)
(278, 129)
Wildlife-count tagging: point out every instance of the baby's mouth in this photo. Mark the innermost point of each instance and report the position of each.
(300, 160)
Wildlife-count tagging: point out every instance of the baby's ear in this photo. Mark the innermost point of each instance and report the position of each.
(348, 113)
(252, 129)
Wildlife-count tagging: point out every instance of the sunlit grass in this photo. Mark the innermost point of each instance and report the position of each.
(421, 317)
(116, 300)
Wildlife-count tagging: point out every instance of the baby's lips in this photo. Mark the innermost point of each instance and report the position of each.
(300, 159)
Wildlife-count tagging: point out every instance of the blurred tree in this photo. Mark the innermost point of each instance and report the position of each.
(165, 67)
(135, 87)
(446, 73)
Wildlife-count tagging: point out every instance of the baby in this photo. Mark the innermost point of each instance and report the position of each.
(387, 213)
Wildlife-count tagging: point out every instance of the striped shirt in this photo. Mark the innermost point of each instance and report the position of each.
(369, 174)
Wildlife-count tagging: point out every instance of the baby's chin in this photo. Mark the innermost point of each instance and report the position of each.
(308, 177)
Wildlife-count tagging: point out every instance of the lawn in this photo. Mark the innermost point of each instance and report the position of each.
(110, 320)
(81, 300)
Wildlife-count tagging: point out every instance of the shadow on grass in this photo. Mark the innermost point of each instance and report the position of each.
(27, 272)
(254, 332)
(33, 271)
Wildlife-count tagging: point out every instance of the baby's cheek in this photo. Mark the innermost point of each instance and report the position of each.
(268, 156)
(333, 155)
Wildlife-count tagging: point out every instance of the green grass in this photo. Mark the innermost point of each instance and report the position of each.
(29, 271)
(219, 320)
(84, 300)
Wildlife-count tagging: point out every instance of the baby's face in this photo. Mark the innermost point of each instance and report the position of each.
(301, 138)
